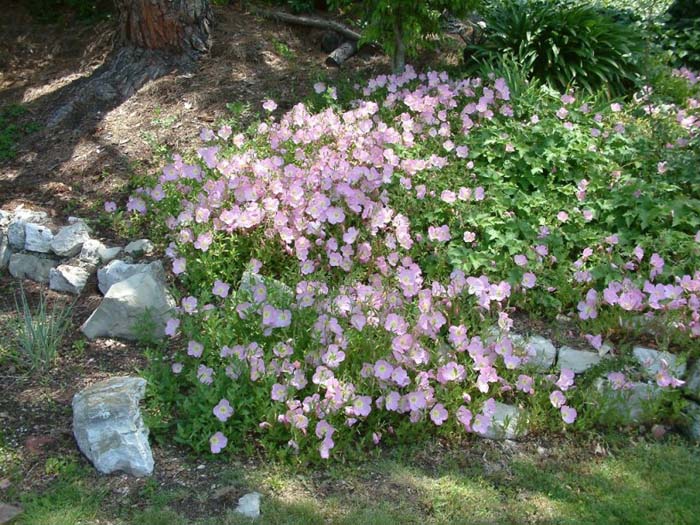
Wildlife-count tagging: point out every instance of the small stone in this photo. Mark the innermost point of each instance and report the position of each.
(8, 513)
(109, 254)
(16, 234)
(249, 505)
(109, 429)
(542, 352)
(70, 239)
(5, 218)
(650, 360)
(90, 252)
(577, 360)
(30, 266)
(118, 270)
(506, 423)
(37, 238)
(125, 307)
(5, 251)
(67, 278)
(139, 248)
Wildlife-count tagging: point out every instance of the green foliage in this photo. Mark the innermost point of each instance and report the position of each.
(681, 32)
(562, 43)
(40, 332)
(12, 129)
(402, 27)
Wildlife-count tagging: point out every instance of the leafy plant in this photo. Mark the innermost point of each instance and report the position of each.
(562, 43)
(40, 332)
(11, 130)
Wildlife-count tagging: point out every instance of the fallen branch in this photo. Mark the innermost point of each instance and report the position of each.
(341, 54)
(310, 22)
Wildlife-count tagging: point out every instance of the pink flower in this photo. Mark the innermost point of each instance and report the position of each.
(171, 327)
(596, 341)
(217, 442)
(221, 289)
(520, 260)
(223, 410)
(383, 370)
(176, 368)
(529, 280)
(438, 414)
(464, 416)
(562, 216)
(448, 196)
(189, 304)
(416, 400)
(362, 406)
(179, 265)
(469, 237)
(439, 233)
(195, 349)
(524, 384)
(110, 207)
(568, 414)
(269, 105)
(566, 379)
(557, 399)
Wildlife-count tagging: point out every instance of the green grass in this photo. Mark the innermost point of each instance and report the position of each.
(11, 130)
(646, 482)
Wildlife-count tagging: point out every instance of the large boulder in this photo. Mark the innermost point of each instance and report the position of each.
(577, 360)
(130, 306)
(118, 270)
(651, 361)
(30, 266)
(506, 423)
(37, 238)
(692, 381)
(70, 239)
(109, 429)
(68, 278)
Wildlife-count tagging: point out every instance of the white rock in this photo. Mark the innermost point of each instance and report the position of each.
(650, 360)
(69, 240)
(577, 360)
(16, 227)
(506, 423)
(109, 254)
(5, 218)
(109, 429)
(68, 278)
(30, 266)
(139, 248)
(249, 505)
(37, 238)
(542, 352)
(118, 270)
(5, 251)
(90, 251)
(127, 305)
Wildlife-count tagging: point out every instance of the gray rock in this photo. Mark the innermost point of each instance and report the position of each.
(16, 227)
(650, 360)
(542, 352)
(37, 238)
(90, 251)
(692, 411)
(118, 270)
(139, 248)
(577, 360)
(5, 251)
(249, 505)
(5, 218)
(68, 278)
(30, 266)
(8, 513)
(507, 423)
(109, 429)
(127, 305)
(692, 381)
(633, 405)
(69, 240)
(109, 254)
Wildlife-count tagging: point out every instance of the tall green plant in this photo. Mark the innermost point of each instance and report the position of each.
(40, 332)
(563, 43)
(402, 27)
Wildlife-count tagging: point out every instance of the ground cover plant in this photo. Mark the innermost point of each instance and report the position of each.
(343, 270)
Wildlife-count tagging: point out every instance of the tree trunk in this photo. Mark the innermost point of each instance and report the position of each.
(156, 37)
(398, 61)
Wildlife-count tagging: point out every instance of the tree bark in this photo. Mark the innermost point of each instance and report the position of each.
(155, 38)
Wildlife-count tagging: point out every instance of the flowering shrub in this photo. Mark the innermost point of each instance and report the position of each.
(349, 275)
